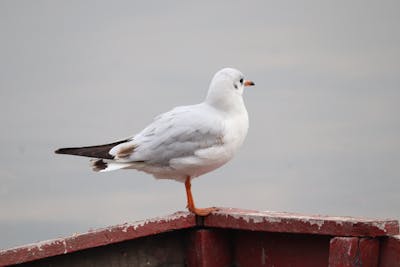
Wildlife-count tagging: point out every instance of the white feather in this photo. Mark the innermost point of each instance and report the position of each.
(112, 166)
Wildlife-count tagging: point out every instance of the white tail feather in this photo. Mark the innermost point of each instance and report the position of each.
(112, 166)
(103, 165)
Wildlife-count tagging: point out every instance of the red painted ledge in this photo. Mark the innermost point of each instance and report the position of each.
(284, 222)
(225, 218)
(96, 238)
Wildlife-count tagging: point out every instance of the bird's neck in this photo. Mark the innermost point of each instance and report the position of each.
(223, 98)
(234, 105)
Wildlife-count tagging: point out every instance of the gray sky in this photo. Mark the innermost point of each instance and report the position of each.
(324, 116)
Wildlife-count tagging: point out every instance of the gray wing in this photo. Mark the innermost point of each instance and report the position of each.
(178, 133)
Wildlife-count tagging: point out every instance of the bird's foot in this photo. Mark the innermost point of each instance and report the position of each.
(202, 211)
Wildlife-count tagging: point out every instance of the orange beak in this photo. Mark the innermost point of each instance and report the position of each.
(248, 83)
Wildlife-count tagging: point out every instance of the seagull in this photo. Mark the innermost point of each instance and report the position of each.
(185, 142)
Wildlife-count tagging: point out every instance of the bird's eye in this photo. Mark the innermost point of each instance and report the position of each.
(241, 80)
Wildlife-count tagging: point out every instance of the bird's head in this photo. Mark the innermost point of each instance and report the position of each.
(226, 88)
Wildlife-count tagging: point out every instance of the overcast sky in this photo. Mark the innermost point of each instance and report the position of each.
(324, 114)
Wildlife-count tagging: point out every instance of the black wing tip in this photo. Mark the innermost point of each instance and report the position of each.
(99, 165)
(74, 151)
(59, 151)
(66, 150)
(91, 152)
(99, 151)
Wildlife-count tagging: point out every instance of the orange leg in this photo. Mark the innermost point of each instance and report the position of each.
(191, 207)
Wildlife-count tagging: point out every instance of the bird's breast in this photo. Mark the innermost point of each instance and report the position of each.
(235, 132)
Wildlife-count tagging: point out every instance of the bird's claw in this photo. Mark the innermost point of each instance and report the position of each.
(203, 211)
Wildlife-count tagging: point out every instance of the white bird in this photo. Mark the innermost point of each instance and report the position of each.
(185, 142)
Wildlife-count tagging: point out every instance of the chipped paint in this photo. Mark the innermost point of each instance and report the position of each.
(380, 225)
(318, 220)
(349, 248)
(96, 237)
(263, 256)
(65, 246)
(298, 223)
(136, 225)
(318, 223)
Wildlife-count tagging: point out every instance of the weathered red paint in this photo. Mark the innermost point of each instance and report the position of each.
(283, 222)
(257, 249)
(100, 237)
(353, 252)
(369, 252)
(209, 248)
(343, 252)
(390, 252)
(244, 238)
